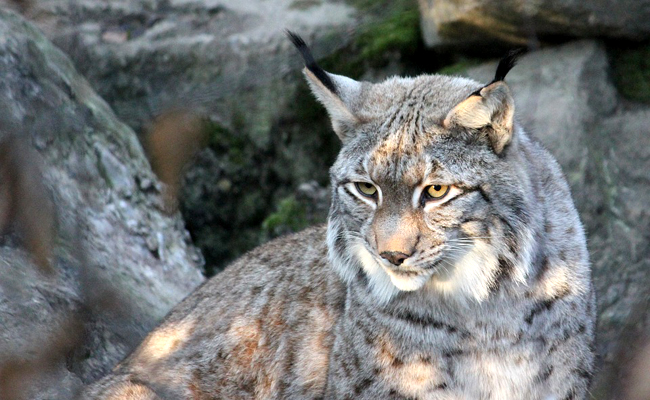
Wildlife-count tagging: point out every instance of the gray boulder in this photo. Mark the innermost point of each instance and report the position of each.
(212, 56)
(229, 61)
(89, 262)
(564, 97)
(446, 22)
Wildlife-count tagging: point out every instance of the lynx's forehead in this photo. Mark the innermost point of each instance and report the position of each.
(399, 157)
(395, 159)
(422, 100)
(408, 143)
(402, 139)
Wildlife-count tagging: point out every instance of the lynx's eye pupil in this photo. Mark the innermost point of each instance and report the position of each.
(366, 189)
(436, 191)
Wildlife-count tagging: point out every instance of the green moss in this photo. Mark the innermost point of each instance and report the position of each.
(346, 62)
(290, 216)
(383, 7)
(228, 143)
(387, 26)
(304, 4)
(460, 66)
(362, 5)
(631, 71)
(399, 31)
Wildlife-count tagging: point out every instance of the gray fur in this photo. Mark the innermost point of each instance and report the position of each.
(493, 302)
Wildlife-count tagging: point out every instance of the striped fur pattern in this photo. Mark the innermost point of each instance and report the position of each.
(482, 294)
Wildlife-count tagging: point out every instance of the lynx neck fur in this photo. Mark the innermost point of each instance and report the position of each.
(453, 266)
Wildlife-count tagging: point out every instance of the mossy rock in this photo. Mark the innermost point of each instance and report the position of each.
(392, 27)
(399, 32)
(631, 70)
(290, 216)
(460, 67)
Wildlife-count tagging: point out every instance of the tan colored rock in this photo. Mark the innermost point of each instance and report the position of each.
(520, 22)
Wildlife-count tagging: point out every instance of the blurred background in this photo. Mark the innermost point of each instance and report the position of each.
(145, 144)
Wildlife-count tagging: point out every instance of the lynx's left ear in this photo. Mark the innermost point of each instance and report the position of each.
(490, 107)
(337, 93)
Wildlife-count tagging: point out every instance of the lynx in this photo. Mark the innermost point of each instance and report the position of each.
(453, 266)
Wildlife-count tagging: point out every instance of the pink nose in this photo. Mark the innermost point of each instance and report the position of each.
(395, 257)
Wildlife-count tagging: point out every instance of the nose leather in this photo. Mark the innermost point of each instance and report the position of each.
(395, 257)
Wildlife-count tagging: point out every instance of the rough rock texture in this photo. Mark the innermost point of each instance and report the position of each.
(145, 57)
(227, 60)
(564, 96)
(525, 21)
(83, 283)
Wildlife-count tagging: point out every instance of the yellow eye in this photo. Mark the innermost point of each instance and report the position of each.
(436, 191)
(366, 189)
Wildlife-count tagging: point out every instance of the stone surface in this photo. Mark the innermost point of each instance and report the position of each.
(89, 262)
(470, 22)
(147, 56)
(564, 96)
(229, 61)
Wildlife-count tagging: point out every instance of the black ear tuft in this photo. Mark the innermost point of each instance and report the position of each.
(310, 63)
(506, 64)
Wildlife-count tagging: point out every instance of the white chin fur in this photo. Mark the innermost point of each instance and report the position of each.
(407, 283)
(385, 283)
(469, 277)
(381, 284)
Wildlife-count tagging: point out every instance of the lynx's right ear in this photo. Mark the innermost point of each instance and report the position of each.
(337, 93)
(491, 107)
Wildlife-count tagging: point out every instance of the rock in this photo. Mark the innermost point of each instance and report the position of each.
(229, 61)
(618, 194)
(308, 206)
(80, 283)
(472, 22)
(232, 63)
(149, 56)
(564, 96)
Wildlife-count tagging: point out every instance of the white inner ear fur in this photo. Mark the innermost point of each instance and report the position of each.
(338, 108)
(494, 106)
(472, 113)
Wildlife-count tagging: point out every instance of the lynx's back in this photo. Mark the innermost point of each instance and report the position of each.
(453, 266)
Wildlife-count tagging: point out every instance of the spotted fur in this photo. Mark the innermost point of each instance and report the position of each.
(493, 300)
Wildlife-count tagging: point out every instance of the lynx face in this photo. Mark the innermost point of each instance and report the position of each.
(426, 190)
(418, 204)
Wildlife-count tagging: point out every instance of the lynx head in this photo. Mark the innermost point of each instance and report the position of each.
(429, 188)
